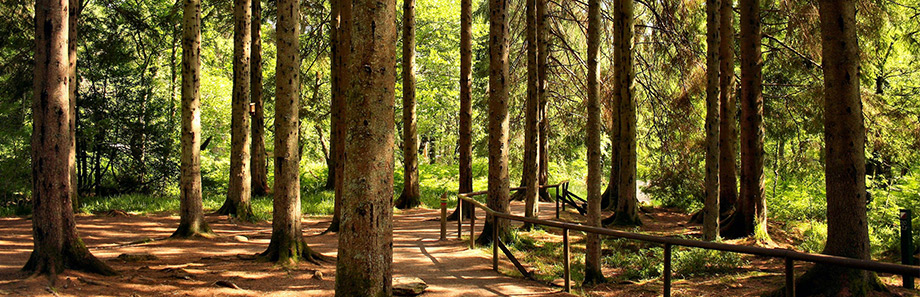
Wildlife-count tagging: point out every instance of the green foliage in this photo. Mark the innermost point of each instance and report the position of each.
(691, 262)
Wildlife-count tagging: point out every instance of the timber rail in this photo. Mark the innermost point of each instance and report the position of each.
(789, 256)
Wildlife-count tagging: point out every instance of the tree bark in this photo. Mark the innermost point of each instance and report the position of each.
(750, 216)
(366, 238)
(410, 194)
(56, 244)
(73, 23)
(845, 170)
(711, 203)
(543, 135)
(465, 140)
(728, 134)
(593, 274)
(498, 122)
(530, 178)
(287, 246)
(191, 213)
(340, 82)
(239, 192)
(627, 209)
(259, 156)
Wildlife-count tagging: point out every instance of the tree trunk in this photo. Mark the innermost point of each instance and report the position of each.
(73, 23)
(711, 203)
(593, 274)
(342, 22)
(542, 57)
(627, 209)
(287, 246)
(259, 167)
(410, 194)
(530, 178)
(366, 237)
(56, 244)
(498, 122)
(845, 170)
(465, 141)
(191, 213)
(750, 216)
(728, 134)
(239, 192)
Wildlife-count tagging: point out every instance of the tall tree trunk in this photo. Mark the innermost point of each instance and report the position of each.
(410, 194)
(593, 274)
(711, 203)
(259, 169)
(750, 216)
(191, 213)
(56, 244)
(530, 178)
(728, 134)
(73, 23)
(465, 141)
(498, 122)
(342, 22)
(542, 57)
(366, 238)
(240, 190)
(287, 246)
(844, 170)
(627, 209)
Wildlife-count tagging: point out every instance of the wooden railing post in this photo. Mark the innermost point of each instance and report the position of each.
(472, 227)
(790, 277)
(444, 217)
(667, 270)
(557, 201)
(566, 267)
(906, 246)
(496, 240)
(459, 217)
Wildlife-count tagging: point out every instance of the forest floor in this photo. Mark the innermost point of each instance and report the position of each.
(194, 267)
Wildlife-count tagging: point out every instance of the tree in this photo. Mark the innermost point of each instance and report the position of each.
(287, 246)
(73, 23)
(542, 58)
(498, 122)
(728, 134)
(410, 194)
(750, 216)
(530, 178)
(845, 170)
(56, 243)
(593, 274)
(627, 209)
(239, 192)
(191, 213)
(366, 238)
(340, 34)
(259, 168)
(711, 203)
(465, 141)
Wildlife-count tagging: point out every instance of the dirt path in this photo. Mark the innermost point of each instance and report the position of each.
(192, 267)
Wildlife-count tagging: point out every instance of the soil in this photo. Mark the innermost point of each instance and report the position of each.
(224, 266)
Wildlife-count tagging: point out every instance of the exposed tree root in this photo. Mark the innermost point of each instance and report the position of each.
(231, 208)
(406, 202)
(293, 254)
(827, 280)
(619, 219)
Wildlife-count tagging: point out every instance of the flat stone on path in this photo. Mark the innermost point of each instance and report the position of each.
(408, 286)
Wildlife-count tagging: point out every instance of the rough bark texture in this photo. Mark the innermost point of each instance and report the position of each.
(465, 141)
(627, 209)
(342, 41)
(530, 173)
(728, 134)
(750, 216)
(711, 185)
(542, 57)
(287, 246)
(259, 167)
(593, 274)
(366, 238)
(845, 170)
(239, 192)
(498, 199)
(73, 21)
(410, 194)
(56, 244)
(191, 213)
